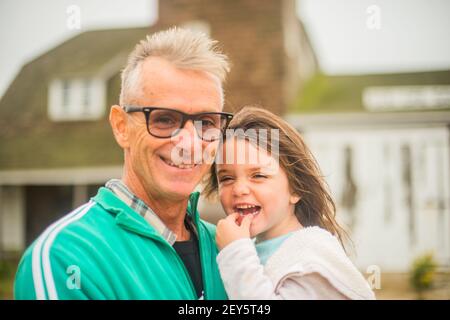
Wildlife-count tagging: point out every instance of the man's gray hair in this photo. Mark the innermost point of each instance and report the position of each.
(185, 48)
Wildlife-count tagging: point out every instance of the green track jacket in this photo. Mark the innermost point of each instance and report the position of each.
(105, 250)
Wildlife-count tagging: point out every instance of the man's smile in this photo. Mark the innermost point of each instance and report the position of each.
(182, 166)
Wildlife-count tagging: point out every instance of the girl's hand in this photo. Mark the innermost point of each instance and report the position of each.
(228, 230)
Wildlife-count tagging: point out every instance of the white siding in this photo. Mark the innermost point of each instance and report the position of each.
(12, 215)
(381, 233)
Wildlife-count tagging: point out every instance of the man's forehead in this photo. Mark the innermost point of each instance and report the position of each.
(161, 80)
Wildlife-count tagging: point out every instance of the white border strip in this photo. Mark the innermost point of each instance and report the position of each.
(48, 276)
(36, 255)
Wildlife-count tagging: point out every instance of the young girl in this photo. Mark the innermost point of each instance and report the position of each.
(277, 195)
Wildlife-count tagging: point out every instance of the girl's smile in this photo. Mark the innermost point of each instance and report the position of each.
(246, 208)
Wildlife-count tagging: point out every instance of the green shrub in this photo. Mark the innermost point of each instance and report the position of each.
(423, 273)
(5, 269)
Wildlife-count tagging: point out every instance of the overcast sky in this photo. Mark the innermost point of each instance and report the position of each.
(400, 35)
(412, 35)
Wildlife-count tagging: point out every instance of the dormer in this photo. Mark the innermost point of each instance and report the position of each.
(77, 98)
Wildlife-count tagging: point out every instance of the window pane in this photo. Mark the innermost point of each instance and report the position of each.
(86, 92)
(65, 93)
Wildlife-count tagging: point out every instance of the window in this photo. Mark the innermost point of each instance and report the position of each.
(86, 91)
(350, 189)
(65, 93)
(72, 99)
(407, 172)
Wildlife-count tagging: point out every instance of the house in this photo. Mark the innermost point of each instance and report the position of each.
(56, 146)
(383, 144)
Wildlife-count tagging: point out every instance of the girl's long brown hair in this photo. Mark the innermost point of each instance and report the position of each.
(316, 206)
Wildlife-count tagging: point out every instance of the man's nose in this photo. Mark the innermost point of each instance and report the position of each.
(187, 140)
(188, 133)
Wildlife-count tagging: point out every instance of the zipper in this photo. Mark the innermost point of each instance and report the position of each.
(202, 258)
(180, 262)
(186, 273)
(195, 217)
(202, 265)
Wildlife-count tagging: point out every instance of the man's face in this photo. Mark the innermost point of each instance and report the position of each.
(152, 160)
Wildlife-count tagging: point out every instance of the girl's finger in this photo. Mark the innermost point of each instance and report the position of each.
(247, 221)
(233, 217)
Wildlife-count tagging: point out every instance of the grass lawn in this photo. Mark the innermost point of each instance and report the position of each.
(7, 272)
(396, 286)
(6, 288)
(393, 287)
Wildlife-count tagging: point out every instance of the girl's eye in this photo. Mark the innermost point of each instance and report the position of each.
(224, 179)
(259, 176)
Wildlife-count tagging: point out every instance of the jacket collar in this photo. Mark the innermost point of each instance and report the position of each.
(130, 220)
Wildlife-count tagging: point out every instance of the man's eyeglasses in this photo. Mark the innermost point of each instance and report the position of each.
(166, 123)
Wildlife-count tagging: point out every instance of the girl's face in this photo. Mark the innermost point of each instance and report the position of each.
(256, 185)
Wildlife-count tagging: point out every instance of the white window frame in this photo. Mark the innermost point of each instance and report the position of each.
(67, 99)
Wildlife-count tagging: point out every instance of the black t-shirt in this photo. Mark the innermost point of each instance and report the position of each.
(190, 255)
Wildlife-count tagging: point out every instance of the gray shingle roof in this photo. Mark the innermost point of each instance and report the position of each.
(335, 94)
(29, 139)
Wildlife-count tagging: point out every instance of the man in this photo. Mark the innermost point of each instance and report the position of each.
(141, 237)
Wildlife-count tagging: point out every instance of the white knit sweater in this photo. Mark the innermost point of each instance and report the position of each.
(310, 264)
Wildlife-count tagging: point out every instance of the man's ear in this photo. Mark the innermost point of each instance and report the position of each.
(119, 124)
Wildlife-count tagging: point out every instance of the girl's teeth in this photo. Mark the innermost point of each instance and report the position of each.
(245, 206)
(243, 210)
